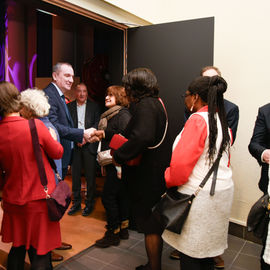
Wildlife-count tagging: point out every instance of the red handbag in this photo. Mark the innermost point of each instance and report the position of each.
(116, 142)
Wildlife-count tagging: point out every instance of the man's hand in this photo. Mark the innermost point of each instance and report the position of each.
(266, 156)
(97, 136)
(88, 133)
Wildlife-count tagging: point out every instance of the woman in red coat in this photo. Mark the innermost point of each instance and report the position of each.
(25, 219)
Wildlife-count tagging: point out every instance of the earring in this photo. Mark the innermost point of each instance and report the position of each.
(191, 109)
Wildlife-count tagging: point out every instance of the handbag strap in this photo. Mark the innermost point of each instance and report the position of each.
(37, 152)
(38, 155)
(214, 168)
(166, 127)
(99, 147)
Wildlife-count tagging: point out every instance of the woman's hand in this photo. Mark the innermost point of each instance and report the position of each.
(97, 136)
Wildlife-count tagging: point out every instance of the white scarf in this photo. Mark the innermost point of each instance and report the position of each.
(266, 254)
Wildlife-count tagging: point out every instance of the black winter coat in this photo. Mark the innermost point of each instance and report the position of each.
(145, 129)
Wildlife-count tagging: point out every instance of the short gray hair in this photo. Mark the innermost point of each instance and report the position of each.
(58, 66)
(36, 101)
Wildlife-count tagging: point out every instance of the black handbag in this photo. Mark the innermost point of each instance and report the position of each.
(59, 200)
(173, 208)
(258, 217)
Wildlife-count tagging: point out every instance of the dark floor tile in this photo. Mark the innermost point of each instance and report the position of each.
(235, 268)
(252, 249)
(129, 243)
(167, 260)
(247, 262)
(228, 257)
(111, 267)
(129, 260)
(71, 265)
(136, 235)
(166, 246)
(170, 267)
(91, 263)
(103, 254)
(235, 243)
(139, 248)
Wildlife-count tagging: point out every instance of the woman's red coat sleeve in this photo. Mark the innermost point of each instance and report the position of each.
(187, 151)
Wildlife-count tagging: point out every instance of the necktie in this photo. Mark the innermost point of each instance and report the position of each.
(66, 108)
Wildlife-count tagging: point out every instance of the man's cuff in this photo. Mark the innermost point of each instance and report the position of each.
(262, 156)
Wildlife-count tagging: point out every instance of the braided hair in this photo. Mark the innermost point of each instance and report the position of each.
(211, 90)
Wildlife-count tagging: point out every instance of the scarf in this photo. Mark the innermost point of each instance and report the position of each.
(107, 115)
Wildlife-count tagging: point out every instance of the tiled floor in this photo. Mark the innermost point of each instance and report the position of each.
(240, 255)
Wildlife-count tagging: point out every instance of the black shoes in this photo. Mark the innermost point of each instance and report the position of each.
(109, 239)
(123, 234)
(87, 211)
(74, 208)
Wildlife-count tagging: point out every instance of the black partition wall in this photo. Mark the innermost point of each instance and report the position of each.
(175, 52)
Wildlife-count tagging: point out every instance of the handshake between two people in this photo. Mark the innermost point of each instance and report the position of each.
(91, 135)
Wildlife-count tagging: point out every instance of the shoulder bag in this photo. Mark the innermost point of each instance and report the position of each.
(173, 208)
(59, 200)
(103, 157)
(258, 217)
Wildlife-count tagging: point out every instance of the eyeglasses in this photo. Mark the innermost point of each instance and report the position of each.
(186, 95)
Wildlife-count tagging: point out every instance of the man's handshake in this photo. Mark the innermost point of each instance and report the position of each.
(87, 136)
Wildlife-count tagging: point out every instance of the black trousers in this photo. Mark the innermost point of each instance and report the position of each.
(82, 158)
(114, 198)
(189, 263)
(16, 259)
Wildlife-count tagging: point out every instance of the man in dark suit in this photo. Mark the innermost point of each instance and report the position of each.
(232, 114)
(59, 115)
(259, 148)
(85, 114)
(231, 109)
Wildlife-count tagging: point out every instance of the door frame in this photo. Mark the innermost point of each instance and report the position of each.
(94, 16)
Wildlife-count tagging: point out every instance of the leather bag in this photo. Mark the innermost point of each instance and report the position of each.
(103, 157)
(173, 208)
(59, 200)
(258, 217)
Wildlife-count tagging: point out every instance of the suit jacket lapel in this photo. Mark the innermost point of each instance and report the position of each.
(88, 115)
(60, 100)
(75, 116)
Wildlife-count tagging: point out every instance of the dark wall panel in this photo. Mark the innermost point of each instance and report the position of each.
(44, 45)
(175, 52)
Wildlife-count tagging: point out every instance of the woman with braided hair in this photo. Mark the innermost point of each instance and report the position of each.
(204, 137)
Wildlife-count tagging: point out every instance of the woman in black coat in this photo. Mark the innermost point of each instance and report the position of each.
(147, 129)
(114, 195)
